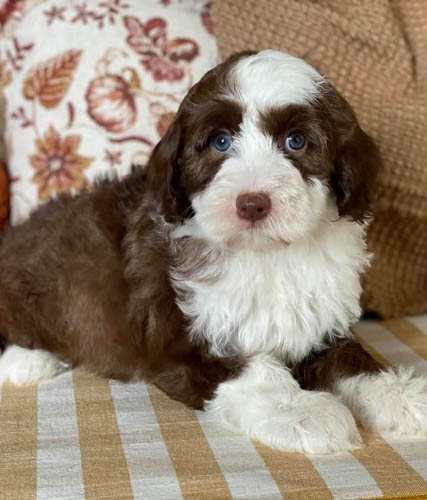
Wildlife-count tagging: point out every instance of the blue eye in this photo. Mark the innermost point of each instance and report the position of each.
(222, 142)
(295, 142)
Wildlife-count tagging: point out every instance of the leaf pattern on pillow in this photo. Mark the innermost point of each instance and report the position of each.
(50, 80)
(160, 56)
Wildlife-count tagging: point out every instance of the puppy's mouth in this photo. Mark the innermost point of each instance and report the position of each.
(258, 232)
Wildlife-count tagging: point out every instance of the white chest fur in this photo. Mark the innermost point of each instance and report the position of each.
(283, 300)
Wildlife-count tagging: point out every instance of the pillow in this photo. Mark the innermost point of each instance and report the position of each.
(90, 87)
(375, 53)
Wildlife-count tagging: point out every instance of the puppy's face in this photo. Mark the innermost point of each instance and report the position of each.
(263, 149)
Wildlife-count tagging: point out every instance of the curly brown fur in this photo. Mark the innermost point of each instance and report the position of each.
(73, 283)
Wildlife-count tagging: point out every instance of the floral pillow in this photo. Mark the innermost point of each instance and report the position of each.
(90, 86)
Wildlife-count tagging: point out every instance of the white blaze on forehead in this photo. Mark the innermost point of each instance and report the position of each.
(274, 78)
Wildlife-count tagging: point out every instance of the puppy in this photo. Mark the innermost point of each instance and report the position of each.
(227, 272)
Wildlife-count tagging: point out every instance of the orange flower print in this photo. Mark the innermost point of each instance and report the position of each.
(57, 164)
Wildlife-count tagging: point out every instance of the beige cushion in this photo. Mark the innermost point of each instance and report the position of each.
(79, 436)
(375, 53)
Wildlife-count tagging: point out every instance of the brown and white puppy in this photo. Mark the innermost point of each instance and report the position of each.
(227, 272)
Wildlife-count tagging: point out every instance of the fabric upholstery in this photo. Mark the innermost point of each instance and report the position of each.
(79, 436)
(375, 53)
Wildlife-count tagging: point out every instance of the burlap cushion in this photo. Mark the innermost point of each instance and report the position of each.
(375, 53)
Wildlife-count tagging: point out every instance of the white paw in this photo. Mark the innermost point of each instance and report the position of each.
(266, 403)
(28, 366)
(315, 422)
(392, 402)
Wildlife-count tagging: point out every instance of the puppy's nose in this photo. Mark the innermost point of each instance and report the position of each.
(253, 206)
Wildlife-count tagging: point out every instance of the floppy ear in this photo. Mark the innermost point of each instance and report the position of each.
(355, 169)
(164, 174)
(356, 163)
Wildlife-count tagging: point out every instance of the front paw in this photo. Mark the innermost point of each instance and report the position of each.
(315, 422)
(392, 402)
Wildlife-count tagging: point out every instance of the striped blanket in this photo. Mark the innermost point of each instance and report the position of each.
(80, 436)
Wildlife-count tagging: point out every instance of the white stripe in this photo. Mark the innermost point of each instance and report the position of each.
(345, 476)
(244, 470)
(151, 471)
(414, 452)
(386, 344)
(420, 322)
(59, 469)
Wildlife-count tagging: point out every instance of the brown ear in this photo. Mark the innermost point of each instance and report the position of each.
(164, 174)
(356, 161)
(355, 169)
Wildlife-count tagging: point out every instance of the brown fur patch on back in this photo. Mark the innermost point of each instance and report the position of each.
(88, 277)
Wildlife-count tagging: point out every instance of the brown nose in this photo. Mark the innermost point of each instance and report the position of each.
(253, 206)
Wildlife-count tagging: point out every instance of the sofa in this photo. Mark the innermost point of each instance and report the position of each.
(97, 107)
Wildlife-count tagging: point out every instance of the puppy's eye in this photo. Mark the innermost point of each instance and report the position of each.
(222, 142)
(295, 142)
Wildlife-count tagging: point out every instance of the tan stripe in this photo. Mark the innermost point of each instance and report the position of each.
(105, 471)
(376, 355)
(18, 442)
(295, 475)
(392, 474)
(409, 334)
(199, 474)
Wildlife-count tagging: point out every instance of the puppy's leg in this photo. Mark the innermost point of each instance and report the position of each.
(389, 401)
(28, 366)
(267, 403)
